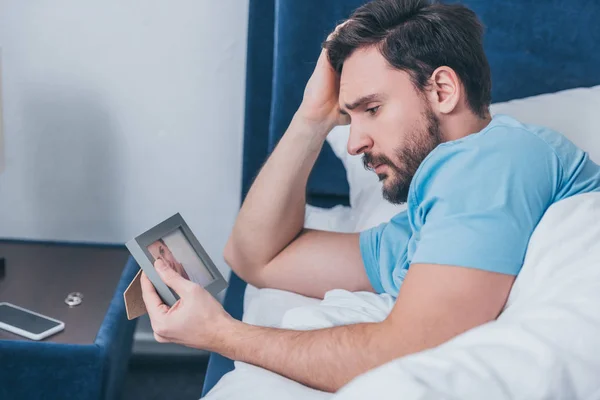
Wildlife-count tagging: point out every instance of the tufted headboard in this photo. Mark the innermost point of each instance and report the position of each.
(533, 46)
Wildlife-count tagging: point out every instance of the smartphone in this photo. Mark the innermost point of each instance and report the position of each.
(27, 323)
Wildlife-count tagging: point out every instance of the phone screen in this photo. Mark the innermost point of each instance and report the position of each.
(25, 320)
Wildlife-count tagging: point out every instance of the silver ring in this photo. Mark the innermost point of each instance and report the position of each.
(74, 299)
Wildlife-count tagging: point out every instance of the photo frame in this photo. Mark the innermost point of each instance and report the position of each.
(173, 241)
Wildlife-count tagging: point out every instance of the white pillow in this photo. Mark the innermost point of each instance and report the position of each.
(336, 219)
(571, 112)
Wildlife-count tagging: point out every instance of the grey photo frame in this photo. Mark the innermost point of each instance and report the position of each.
(138, 247)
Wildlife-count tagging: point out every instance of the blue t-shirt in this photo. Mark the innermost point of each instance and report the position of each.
(474, 202)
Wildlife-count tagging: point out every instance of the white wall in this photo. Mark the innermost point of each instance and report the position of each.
(118, 114)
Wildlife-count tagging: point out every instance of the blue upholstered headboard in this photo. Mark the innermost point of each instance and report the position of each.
(533, 46)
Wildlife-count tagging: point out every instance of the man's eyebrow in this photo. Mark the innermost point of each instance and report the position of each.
(363, 100)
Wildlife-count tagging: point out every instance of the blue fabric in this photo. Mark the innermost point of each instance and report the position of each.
(43, 370)
(259, 72)
(46, 370)
(474, 202)
(300, 28)
(115, 336)
(234, 304)
(532, 48)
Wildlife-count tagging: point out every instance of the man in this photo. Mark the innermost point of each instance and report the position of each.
(413, 80)
(160, 251)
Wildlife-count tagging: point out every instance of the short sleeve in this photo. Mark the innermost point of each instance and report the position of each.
(479, 200)
(384, 252)
(369, 249)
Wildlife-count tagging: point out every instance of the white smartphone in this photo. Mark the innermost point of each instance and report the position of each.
(27, 323)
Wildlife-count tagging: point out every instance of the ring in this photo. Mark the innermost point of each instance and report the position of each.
(74, 299)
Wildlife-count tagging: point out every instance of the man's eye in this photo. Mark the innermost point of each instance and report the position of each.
(373, 110)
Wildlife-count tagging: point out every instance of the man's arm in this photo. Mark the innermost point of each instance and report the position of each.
(268, 246)
(436, 303)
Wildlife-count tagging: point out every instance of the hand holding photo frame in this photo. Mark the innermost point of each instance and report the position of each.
(173, 242)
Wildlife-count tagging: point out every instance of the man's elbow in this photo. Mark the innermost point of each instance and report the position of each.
(241, 265)
(333, 383)
(228, 253)
(233, 258)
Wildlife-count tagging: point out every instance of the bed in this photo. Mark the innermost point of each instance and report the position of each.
(533, 47)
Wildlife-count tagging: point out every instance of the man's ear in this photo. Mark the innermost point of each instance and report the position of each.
(445, 90)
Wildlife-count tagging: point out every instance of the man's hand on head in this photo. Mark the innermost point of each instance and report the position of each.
(195, 320)
(320, 104)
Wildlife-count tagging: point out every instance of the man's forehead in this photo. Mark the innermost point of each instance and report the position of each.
(366, 71)
(360, 65)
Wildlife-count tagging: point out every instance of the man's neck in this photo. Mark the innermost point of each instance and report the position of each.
(463, 124)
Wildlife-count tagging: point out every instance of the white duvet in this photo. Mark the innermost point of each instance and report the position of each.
(545, 344)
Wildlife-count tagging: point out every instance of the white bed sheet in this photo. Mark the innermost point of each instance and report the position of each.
(277, 308)
(546, 343)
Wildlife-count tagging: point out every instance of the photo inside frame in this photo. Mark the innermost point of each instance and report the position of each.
(177, 252)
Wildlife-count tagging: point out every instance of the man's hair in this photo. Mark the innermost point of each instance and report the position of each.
(418, 36)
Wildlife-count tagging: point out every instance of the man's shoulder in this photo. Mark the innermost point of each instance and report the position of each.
(505, 136)
(504, 148)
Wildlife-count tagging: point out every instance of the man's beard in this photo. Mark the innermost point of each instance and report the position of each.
(417, 146)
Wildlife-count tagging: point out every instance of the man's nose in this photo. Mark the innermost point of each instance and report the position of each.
(358, 141)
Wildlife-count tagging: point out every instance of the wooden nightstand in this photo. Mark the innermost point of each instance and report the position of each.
(89, 359)
(39, 276)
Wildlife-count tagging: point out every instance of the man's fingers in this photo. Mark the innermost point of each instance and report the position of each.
(337, 28)
(173, 280)
(154, 303)
(323, 55)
